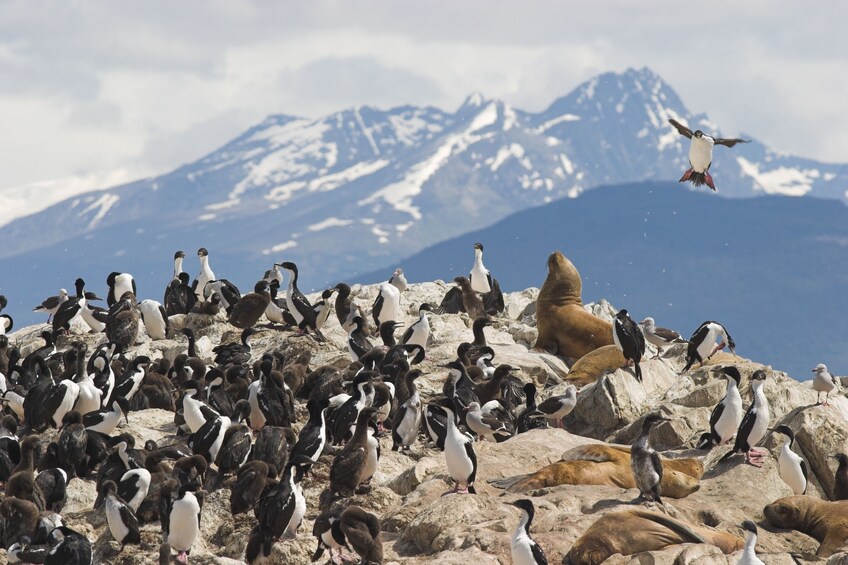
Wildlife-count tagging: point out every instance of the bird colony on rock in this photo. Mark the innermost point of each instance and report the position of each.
(235, 412)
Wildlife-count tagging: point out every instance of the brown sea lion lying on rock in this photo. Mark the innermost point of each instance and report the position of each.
(602, 464)
(825, 521)
(565, 328)
(635, 531)
(595, 364)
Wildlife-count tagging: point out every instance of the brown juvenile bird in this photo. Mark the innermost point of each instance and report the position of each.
(840, 480)
(362, 531)
(249, 485)
(21, 483)
(122, 322)
(346, 472)
(247, 311)
(20, 518)
(471, 301)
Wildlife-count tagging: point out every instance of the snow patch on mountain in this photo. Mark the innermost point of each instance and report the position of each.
(20, 201)
(788, 181)
(329, 223)
(280, 247)
(558, 120)
(102, 205)
(504, 153)
(399, 195)
(296, 158)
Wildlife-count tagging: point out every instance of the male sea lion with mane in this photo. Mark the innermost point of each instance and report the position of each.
(565, 328)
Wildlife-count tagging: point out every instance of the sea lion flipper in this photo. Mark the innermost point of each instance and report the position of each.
(507, 482)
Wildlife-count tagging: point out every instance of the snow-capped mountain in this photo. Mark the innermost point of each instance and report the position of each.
(364, 187)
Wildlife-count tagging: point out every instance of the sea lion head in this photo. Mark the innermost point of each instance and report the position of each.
(590, 549)
(783, 513)
(563, 276)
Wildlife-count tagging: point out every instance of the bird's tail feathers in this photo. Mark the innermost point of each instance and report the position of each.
(698, 179)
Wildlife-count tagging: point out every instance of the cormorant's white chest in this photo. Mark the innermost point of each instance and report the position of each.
(191, 412)
(701, 153)
(256, 418)
(420, 332)
(299, 508)
(732, 415)
(184, 524)
(479, 274)
(706, 346)
(761, 422)
(459, 464)
(204, 277)
(522, 553)
(789, 467)
(117, 528)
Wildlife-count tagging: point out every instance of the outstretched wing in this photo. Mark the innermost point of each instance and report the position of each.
(729, 142)
(452, 302)
(681, 129)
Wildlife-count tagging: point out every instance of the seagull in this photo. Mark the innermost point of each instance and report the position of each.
(701, 154)
(823, 382)
(51, 304)
(657, 336)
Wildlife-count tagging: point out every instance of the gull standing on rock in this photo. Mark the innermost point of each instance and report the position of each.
(823, 382)
(485, 425)
(399, 280)
(51, 304)
(657, 336)
(558, 407)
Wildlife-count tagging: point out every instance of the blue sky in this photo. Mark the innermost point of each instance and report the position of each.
(95, 93)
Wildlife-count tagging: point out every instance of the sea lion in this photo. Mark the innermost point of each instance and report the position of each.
(823, 520)
(595, 364)
(635, 531)
(601, 464)
(565, 328)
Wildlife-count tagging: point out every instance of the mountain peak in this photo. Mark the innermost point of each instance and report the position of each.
(473, 100)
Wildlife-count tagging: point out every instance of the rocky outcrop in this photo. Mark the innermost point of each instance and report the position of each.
(422, 525)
